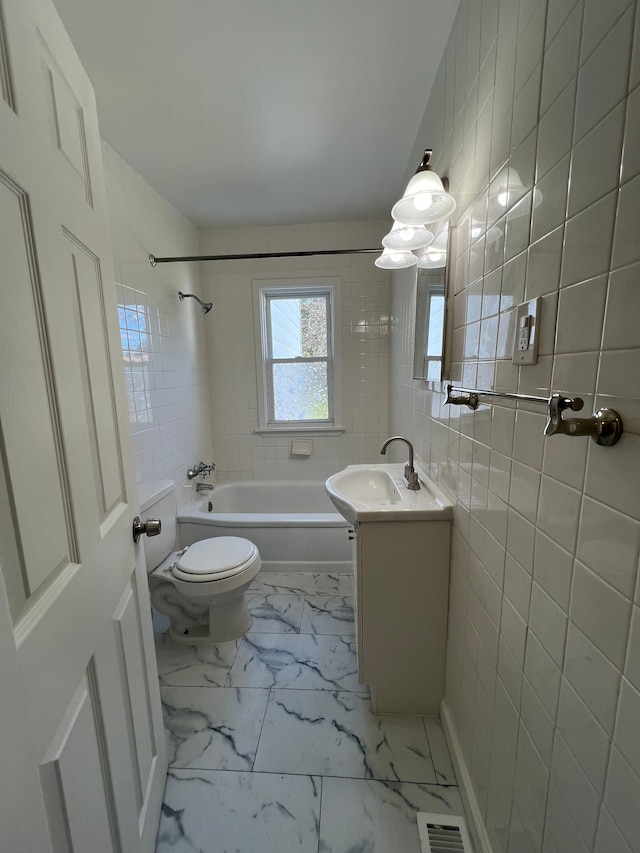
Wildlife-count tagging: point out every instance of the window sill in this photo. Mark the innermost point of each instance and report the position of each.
(310, 431)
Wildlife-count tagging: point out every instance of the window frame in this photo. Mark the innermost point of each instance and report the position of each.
(264, 290)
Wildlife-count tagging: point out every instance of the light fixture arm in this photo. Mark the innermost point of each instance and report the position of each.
(425, 167)
(424, 164)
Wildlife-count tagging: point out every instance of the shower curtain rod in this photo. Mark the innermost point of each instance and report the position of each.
(154, 261)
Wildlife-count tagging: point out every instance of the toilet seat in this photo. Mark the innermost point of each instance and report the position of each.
(215, 559)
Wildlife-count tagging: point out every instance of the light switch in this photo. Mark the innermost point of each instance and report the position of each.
(525, 345)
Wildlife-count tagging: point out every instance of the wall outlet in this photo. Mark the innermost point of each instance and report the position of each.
(525, 345)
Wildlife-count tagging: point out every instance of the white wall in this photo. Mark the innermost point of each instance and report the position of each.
(166, 368)
(240, 453)
(543, 669)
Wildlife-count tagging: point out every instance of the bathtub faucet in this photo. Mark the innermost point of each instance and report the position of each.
(410, 478)
(200, 468)
(204, 487)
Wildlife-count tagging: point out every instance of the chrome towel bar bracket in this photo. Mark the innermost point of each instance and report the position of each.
(468, 398)
(604, 426)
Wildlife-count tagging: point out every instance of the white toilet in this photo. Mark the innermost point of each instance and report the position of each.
(200, 588)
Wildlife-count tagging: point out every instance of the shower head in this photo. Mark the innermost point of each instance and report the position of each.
(206, 306)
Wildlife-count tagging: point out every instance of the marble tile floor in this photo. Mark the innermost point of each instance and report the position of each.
(273, 747)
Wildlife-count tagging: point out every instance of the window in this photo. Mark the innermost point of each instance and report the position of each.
(297, 346)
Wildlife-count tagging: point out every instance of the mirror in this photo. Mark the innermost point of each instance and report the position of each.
(431, 298)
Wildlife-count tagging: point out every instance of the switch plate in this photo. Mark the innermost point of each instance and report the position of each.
(525, 345)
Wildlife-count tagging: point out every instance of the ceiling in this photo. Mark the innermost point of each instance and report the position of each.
(263, 111)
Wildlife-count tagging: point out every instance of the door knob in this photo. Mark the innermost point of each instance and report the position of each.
(151, 527)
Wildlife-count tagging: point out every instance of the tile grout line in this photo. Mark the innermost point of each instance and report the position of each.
(266, 707)
(426, 733)
(226, 684)
(307, 775)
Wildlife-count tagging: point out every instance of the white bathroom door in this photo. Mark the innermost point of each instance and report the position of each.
(81, 740)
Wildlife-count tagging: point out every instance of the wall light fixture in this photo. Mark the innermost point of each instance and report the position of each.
(425, 199)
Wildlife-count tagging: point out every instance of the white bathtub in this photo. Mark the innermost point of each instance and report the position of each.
(293, 523)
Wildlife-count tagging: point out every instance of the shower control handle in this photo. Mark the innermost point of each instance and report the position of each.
(150, 527)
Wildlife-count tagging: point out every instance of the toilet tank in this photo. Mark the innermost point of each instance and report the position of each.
(157, 500)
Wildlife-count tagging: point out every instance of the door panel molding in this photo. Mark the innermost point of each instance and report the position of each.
(6, 85)
(39, 605)
(134, 676)
(32, 441)
(97, 375)
(67, 118)
(76, 780)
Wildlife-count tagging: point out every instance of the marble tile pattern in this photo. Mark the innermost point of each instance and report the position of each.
(335, 734)
(324, 614)
(272, 744)
(215, 728)
(302, 583)
(303, 661)
(194, 666)
(345, 585)
(278, 614)
(365, 815)
(442, 764)
(214, 811)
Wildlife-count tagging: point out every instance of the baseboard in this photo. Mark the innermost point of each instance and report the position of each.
(473, 813)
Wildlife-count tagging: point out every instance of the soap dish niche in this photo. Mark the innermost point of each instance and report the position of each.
(301, 447)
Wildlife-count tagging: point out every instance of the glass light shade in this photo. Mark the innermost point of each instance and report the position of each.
(435, 256)
(433, 259)
(425, 200)
(409, 237)
(394, 259)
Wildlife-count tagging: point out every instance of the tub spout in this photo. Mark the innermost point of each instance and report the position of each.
(410, 478)
(204, 487)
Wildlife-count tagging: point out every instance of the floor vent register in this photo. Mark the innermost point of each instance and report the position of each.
(443, 833)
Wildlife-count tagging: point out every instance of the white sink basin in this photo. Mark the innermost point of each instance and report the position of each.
(377, 493)
(372, 486)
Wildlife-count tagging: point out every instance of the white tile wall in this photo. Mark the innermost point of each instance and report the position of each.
(240, 453)
(544, 626)
(163, 341)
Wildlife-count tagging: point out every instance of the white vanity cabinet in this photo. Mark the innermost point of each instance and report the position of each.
(401, 574)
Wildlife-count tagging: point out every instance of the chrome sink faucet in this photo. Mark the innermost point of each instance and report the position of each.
(410, 478)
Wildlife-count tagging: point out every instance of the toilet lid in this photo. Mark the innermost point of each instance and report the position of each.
(214, 556)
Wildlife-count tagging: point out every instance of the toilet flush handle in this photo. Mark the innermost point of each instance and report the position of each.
(151, 527)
